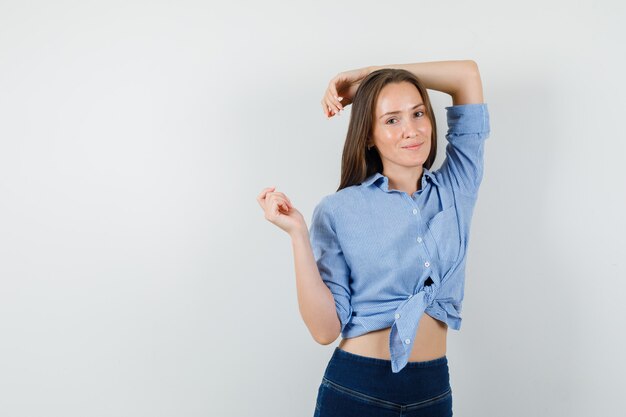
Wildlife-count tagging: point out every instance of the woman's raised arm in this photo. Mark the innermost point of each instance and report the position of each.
(460, 79)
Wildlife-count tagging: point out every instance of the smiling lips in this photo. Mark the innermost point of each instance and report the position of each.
(413, 147)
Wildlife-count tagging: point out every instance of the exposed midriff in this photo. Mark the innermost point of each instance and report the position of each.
(429, 342)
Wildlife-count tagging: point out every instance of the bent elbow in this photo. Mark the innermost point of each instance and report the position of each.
(326, 339)
(473, 66)
(327, 332)
(323, 342)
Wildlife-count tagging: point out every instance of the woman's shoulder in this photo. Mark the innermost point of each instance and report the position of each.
(347, 198)
(344, 195)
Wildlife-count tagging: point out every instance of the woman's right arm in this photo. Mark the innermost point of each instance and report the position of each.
(316, 302)
(315, 299)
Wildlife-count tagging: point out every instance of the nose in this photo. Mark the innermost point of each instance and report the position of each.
(410, 129)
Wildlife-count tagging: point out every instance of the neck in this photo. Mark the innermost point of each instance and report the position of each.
(407, 180)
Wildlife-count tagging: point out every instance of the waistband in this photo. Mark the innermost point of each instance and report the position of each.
(340, 354)
(373, 376)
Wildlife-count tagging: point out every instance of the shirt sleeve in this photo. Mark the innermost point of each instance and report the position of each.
(468, 127)
(330, 260)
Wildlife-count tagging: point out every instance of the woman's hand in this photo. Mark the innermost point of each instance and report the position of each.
(341, 90)
(279, 210)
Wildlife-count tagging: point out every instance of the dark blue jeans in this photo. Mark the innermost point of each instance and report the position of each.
(361, 386)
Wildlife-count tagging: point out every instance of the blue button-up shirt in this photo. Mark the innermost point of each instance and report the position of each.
(388, 257)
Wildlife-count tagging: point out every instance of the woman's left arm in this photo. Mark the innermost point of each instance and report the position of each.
(460, 79)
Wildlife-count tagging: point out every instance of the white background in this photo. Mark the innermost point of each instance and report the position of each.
(139, 277)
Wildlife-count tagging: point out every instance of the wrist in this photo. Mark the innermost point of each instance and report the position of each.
(299, 234)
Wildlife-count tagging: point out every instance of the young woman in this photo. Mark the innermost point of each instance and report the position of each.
(390, 244)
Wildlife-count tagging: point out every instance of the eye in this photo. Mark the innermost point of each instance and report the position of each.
(393, 118)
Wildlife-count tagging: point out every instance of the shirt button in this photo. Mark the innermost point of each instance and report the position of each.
(419, 239)
(426, 264)
(397, 316)
(407, 341)
(414, 211)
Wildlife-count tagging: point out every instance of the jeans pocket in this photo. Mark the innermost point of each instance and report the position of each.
(439, 405)
(348, 396)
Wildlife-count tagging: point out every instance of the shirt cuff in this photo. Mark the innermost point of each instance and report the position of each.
(468, 118)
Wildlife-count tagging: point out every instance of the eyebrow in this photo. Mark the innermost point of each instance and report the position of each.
(398, 111)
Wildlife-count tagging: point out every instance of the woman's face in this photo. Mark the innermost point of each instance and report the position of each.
(400, 120)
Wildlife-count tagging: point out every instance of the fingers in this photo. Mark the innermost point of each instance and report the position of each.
(327, 108)
(278, 204)
(261, 197)
(279, 194)
(273, 196)
(331, 103)
(285, 198)
(334, 96)
(283, 204)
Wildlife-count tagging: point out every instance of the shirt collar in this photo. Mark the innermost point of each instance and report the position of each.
(376, 178)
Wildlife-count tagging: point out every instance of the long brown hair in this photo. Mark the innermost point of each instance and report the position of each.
(357, 162)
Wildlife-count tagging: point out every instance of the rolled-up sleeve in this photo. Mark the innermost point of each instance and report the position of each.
(468, 127)
(330, 260)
